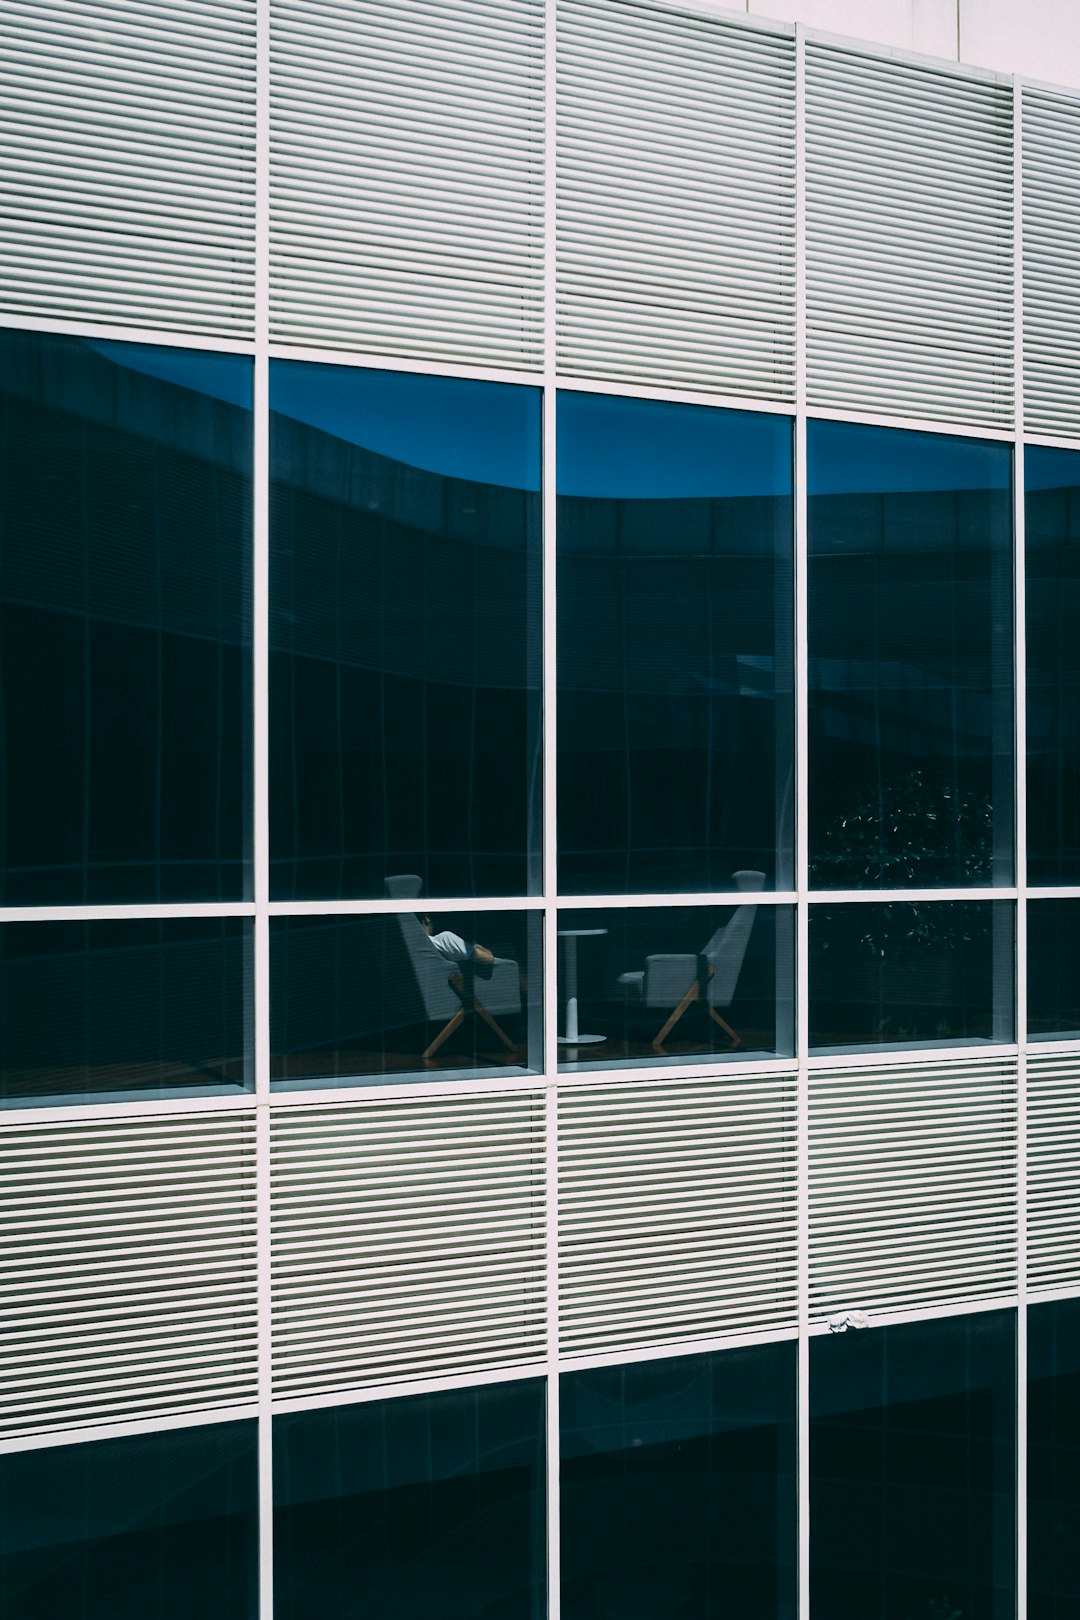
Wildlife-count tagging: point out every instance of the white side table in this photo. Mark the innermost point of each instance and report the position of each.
(573, 1037)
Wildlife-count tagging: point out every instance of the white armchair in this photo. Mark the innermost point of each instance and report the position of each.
(710, 977)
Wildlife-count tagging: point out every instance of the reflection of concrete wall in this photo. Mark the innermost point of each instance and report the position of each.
(331, 980)
(67, 375)
(123, 498)
(400, 570)
(680, 599)
(147, 1003)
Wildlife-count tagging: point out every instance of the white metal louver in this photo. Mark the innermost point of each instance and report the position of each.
(912, 1184)
(676, 206)
(127, 192)
(677, 1211)
(127, 1269)
(1053, 1236)
(1051, 262)
(409, 1239)
(407, 177)
(909, 240)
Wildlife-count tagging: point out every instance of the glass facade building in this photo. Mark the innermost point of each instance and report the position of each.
(539, 821)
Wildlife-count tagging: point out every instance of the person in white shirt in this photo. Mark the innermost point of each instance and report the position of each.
(454, 948)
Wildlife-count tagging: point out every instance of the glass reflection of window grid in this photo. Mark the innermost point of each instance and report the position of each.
(404, 633)
(649, 985)
(675, 655)
(910, 659)
(125, 622)
(418, 994)
(1052, 543)
(911, 973)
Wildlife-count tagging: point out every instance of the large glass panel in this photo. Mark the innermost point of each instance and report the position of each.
(1053, 969)
(405, 630)
(152, 1527)
(897, 973)
(911, 650)
(125, 622)
(913, 1469)
(648, 984)
(1053, 1572)
(678, 1493)
(429, 1507)
(451, 994)
(118, 1011)
(675, 646)
(1052, 537)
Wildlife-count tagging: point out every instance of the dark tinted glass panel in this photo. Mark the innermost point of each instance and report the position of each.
(911, 647)
(1052, 532)
(1054, 1460)
(645, 983)
(675, 655)
(125, 534)
(154, 1527)
(927, 974)
(678, 1489)
(425, 1508)
(405, 633)
(123, 1010)
(450, 993)
(1053, 980)
(912, 1471)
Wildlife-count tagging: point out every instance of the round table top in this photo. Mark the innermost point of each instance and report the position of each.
(579, 933)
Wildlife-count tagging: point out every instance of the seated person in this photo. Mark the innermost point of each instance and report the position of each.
(454, 948)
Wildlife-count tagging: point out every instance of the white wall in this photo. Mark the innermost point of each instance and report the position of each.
(1040, 38)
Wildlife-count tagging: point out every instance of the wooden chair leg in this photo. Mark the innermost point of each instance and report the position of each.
(736, 1040)
(445, 1033)
(481, 1010)
(687, 1000)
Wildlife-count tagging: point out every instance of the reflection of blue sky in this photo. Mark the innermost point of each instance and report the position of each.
(1051, 469)
(227, 377)
(487, 432)
(635, 449)
(843, 458)
(607, 446)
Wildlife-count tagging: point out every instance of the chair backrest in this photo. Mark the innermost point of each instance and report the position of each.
(405, 887)
(431, 971)
(727, 947)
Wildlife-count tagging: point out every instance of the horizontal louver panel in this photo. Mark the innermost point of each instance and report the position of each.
(912, 1185)
(407, 177)
(909, 240)
(677, 1215)
(127, 1269)
(676, 163)
(1051, 210)
(127, 192)
(408, 1240)
(1053, 1171)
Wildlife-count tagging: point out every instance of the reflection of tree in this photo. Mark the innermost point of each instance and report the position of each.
(904, 836)
(905, 832)
(942, 1608)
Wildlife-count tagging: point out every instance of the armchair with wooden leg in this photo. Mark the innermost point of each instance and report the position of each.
(449, 991)
(709, 979)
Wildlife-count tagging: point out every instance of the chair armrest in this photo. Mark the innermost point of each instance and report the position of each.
(498, 985)
(667, 978)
